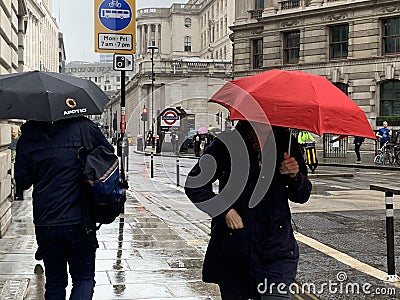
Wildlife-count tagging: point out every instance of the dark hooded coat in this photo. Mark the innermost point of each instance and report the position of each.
(265, 249)
(47, 158)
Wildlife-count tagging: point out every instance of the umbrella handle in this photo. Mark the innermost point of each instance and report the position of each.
(290, 141)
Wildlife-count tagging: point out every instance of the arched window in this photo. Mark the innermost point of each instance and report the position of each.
(390, 98)
(188, 22)
(342, 86)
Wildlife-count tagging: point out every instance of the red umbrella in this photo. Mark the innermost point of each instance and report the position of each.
(294, 99)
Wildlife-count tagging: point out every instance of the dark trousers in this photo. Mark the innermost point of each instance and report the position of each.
(70, 246)
(357, 150)
(228, 295)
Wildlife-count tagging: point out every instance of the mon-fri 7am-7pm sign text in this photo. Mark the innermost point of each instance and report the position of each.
(115, 26)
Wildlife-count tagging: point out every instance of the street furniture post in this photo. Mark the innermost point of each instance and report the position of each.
(152, 165)
(177, 170)
(389, 192)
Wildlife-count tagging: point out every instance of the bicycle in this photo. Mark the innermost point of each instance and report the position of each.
(385, 153)
(114, 3)
(396, 151)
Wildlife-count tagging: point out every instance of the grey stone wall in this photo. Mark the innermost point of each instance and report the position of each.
(5, 177)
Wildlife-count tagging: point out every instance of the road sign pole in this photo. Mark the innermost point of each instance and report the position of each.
(123, 126)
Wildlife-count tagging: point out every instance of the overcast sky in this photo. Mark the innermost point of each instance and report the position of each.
(77, 24)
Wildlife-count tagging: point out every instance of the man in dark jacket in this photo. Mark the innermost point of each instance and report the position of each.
(47, 158)
(252, 248)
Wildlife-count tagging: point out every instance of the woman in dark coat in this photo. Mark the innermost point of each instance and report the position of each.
(252, 249)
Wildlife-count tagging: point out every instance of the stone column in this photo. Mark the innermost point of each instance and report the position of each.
(149, 35)
(142, 41)
(270, 7)
(156, 35)
(241, 8)
(139, 38)
(159, 38)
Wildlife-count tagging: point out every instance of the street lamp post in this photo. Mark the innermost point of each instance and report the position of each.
(152, 49)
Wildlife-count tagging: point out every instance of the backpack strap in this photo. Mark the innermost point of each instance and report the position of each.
(86, 140)
(85, 196)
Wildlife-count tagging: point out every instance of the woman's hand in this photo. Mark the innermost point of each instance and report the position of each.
(233, 220)
(289, 166)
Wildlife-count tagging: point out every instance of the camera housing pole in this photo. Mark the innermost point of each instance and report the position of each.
(122, 127)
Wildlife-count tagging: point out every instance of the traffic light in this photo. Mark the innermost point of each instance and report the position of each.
(217, 118)
(144, 115)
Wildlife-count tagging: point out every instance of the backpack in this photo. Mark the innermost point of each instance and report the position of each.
(102, 182)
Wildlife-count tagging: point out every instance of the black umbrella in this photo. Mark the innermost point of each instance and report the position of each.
(47, 96)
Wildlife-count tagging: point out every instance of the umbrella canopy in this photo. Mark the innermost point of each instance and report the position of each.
(203, 130)
(294, 99)
(47, 96)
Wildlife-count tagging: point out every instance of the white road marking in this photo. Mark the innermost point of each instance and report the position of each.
(344, 258)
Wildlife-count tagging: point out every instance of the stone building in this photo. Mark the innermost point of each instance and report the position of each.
(354, 43)
(28, 41)
(192, 59)
(39, 46)
(101, 73)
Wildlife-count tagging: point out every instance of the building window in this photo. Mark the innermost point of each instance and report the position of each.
(291, 47)
(188, 44)
(257, 53)
(342, 86)
(339, 41)
(390, 98)
(259, 5)
(391, 36)
(258, 9)
(188, 22)
(289, 4)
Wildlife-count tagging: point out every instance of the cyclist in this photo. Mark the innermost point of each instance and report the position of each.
(384, 134)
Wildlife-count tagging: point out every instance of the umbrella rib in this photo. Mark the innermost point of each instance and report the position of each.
(319, 107)
(95, 103)
(48, 96)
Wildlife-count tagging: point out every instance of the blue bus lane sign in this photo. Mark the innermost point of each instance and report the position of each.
(115, 24)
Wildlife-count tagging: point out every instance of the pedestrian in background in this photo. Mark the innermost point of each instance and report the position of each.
(174, 142)
(252, 249)
(47, 158)
(383, 134)
(303, 138)
(358, 140)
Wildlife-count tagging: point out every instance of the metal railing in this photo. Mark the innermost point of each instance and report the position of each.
(290, 4)
(257, 13)
(334, 149)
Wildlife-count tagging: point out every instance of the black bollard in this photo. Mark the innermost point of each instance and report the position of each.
(391, 276)
(177, 170)
(152, 166)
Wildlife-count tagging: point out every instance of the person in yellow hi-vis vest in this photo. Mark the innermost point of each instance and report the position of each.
(307, 143)
(303, 138)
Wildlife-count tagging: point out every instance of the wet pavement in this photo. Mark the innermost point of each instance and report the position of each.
(155, 251)
(139, 257)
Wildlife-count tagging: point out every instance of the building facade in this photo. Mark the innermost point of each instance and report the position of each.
(198, 28)
(193, 53)
(354, 43)
(28, 41)
(39, 49)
